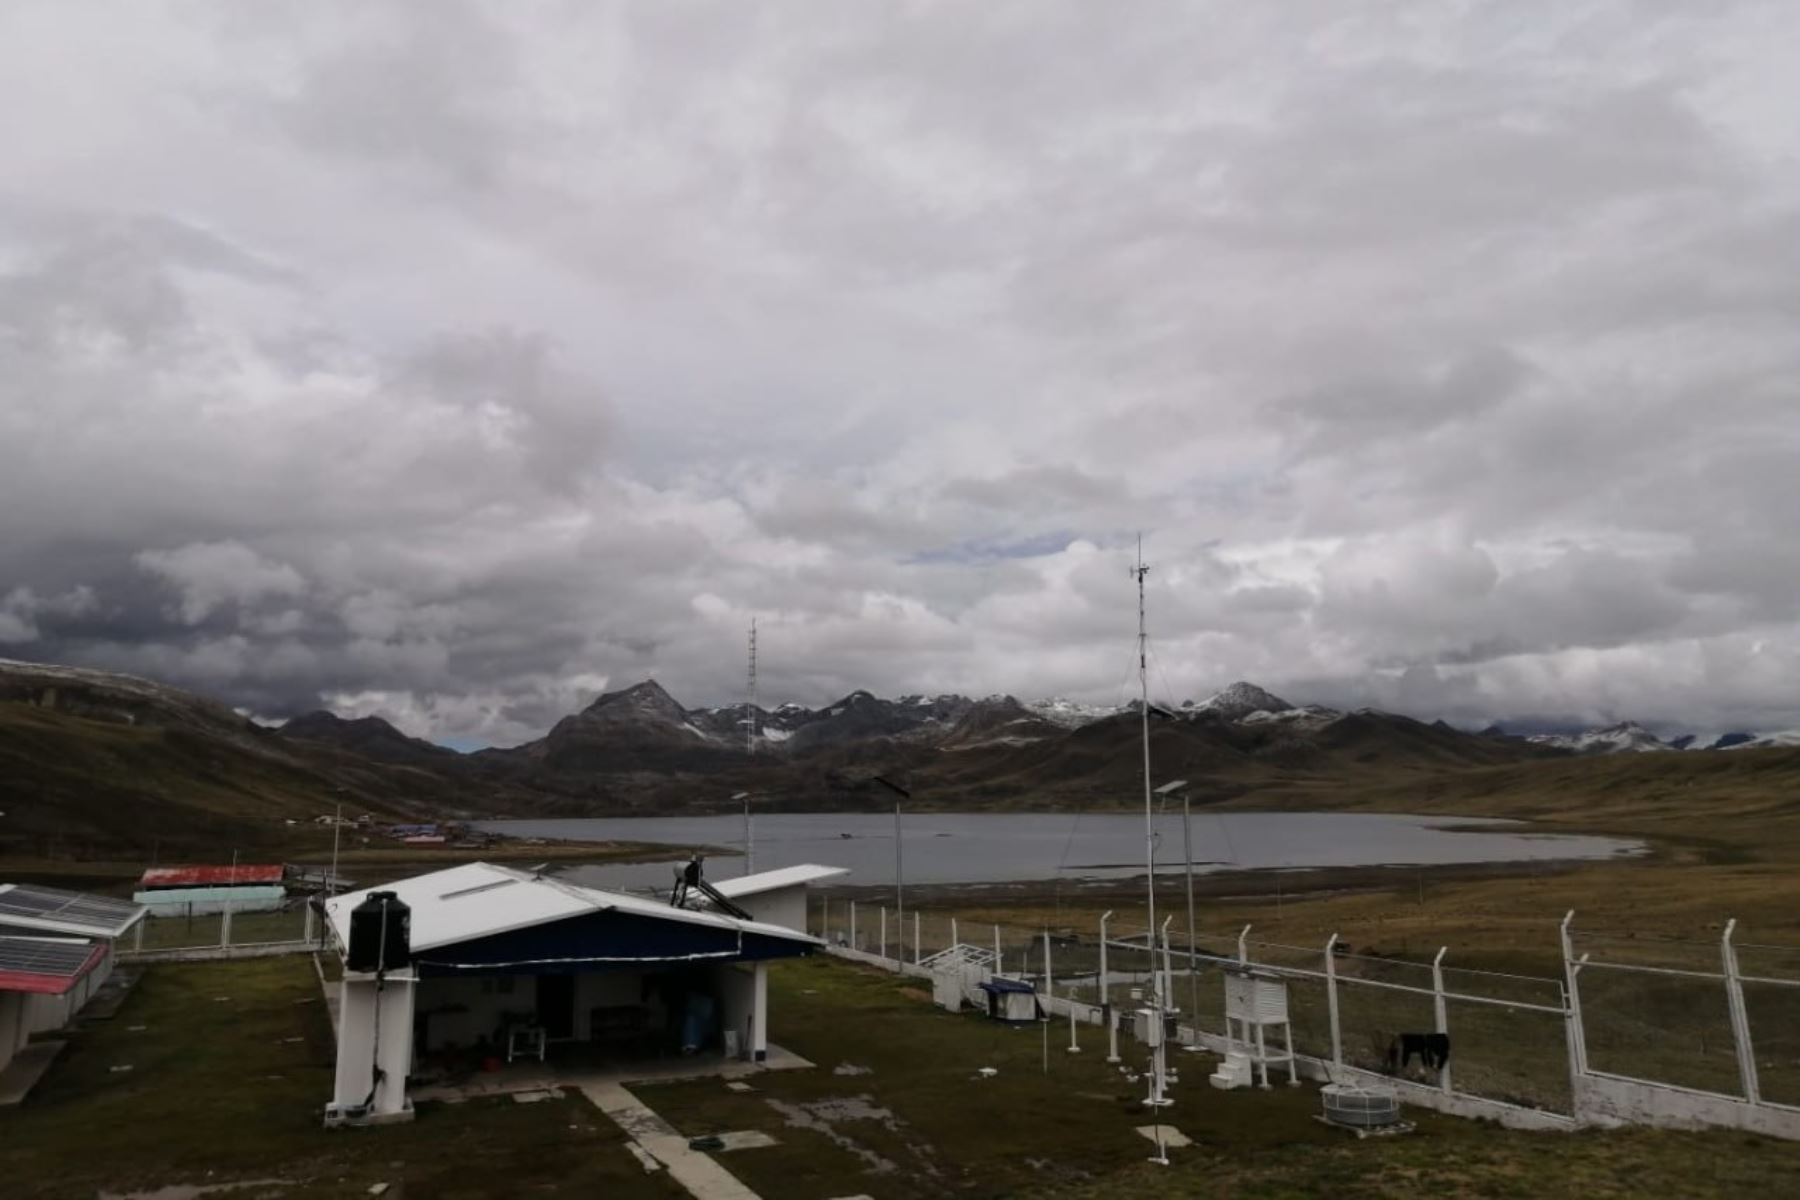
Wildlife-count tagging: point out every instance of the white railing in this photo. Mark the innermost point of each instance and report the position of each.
(1543, 1078)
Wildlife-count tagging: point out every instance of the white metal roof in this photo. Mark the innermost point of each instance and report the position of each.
(769, 881)
(52, 910)
(478, 900)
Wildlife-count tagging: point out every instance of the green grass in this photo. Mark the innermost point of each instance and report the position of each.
(220, 1089)
(1070, 1132)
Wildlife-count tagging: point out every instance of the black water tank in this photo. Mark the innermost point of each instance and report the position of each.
(382, 911)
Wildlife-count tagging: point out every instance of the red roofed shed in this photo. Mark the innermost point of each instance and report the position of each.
(204, 876)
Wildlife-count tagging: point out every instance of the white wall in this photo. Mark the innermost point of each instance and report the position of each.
(783, 906)
(1612, 1100)
(358, 1045)
(735, 986)
(12, 1025)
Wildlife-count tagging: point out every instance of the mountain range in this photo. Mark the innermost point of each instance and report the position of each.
(108, 759)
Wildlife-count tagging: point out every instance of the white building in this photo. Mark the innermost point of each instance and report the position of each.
(56, 949)
(505, 961)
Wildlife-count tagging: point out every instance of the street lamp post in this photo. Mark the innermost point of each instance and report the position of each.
(900, 794)
(749, 845)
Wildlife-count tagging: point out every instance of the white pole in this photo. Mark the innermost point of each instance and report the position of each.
(917, 944)
(853, 944)
(899, 876)
(1244, 946)
(1162, 1060)
(337, 825)
(1740, 1017)
(1443, 1018)
(1156, 996)
(884, 931)
(1106, 1009)
(749, 835)
(1049, 980)
(1074, 1046)
(953, 940)
(1187, 853)
(1331, 1001)
(997, 949)
(1577, 1035)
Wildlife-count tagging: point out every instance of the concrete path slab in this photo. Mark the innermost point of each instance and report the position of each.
(703, 1178)
(1172, 1137)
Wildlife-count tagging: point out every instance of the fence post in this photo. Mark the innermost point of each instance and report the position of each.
(918, 946)
(306, 929)
(1740, 1016)
(1049, 980)
(1331, 1001)
(1243, 948)
(997, 949)
(853, 944)
(1577, 1037)
(1443, 1016)
(884, 932)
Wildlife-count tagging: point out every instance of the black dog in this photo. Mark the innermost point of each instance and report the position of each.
(1433, 1050)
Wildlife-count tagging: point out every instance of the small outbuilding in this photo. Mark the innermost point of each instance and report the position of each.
(56, 949)
(1011, 999)
(498, 962)
(199, 890)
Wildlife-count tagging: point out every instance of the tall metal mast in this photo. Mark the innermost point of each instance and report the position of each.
(751, 723)
(1139, 571)
(750, 732)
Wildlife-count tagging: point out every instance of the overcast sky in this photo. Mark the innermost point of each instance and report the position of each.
(455, 362)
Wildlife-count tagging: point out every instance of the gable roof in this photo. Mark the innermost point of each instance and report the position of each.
(47, 966)
(210, 876)
(769, 881)
(478, 900)
(52, 910)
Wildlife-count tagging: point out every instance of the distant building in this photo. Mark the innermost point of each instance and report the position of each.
(198, 890)
(56, 949)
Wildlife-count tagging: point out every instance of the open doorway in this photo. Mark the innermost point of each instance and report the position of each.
(556, 1005)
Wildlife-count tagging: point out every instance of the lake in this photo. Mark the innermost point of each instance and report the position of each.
(1013, 847)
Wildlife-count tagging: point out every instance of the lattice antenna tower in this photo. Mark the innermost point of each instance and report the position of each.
(750, 725)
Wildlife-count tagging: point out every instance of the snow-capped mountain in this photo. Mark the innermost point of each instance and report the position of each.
(1760, 741)
(1624, 738)
(1070, 714)
(1307, 717)
(1239, 700)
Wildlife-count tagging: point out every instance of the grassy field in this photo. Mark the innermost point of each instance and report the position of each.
(896, 1111)
(231, 1062)
(230, 1067)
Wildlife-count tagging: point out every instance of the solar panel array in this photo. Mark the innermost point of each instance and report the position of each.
(76, 908)
(43, 956)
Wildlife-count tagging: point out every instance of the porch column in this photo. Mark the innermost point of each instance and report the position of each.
(375, 1028)
(759, 1026)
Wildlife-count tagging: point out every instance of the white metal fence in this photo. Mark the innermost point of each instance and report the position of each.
(223, 934)
(1643, 1033)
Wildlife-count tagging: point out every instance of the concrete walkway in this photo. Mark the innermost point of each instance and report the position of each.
(700, 1175)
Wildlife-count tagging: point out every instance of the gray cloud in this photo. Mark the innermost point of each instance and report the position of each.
(458, 364)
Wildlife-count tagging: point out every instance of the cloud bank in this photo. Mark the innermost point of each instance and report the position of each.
(456, 364)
